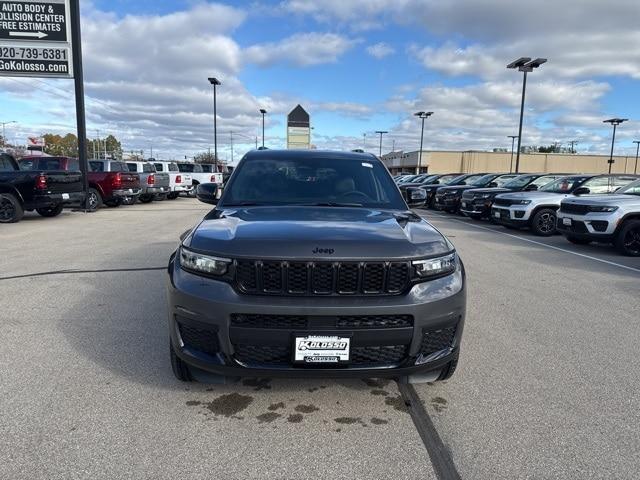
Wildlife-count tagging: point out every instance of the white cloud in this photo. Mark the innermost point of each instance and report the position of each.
(302, 50)
(380, 50)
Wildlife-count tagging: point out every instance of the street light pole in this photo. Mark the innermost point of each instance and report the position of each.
(637, 142)
(381, 132)
(513, 139)
(423, 116)
(525, 65)
(231, 133)
(364, 141)
(3, 134)
(615, 122)
(263, 112)
(215, 82)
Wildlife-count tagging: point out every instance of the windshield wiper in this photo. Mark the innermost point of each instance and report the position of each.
(328, 204)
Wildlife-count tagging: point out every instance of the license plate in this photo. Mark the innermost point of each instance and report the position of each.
(566, 221)
(321, 349)
(496, 214)
(65, 196)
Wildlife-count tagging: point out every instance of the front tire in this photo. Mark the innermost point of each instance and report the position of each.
(180, 369)
(50, 211)
(11, 210)
(627, 240)
(578, 241)
(114, 203)
(94, 200)
(543, 223)
(172, 196)
(145, 198)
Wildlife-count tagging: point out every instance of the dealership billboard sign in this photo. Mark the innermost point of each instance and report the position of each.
(35, 38)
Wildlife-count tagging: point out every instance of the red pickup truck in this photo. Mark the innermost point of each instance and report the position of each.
(110, 181)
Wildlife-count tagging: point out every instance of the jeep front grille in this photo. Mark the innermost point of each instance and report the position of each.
(321, 278)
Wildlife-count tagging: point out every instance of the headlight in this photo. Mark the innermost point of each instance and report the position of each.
(602, 209)
(200, 263)
(434, 267)
(521, 202)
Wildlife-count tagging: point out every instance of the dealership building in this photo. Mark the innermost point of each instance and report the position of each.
(439, 161)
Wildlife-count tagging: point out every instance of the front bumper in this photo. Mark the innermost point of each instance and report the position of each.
(593, 226)
(517, 217)
(200, 307)
(447, 202)
(475, 207)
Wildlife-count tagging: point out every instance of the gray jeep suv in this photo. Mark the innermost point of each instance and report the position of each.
(311, 264)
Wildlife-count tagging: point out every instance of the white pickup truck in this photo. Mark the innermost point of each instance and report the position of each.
(198, 175)
(178, 181)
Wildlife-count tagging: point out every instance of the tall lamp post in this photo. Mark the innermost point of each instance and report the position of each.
(263, 112)
(637, 142)
(513, 139)
(524, 65)
(4, 139)
(215, 82)
(615, 122)
(421, 115)
(364, 141)
(381, 132)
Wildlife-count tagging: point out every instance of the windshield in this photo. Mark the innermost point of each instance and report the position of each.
(564, 185)
(631, 189)
(190, 167)
(482, 181)
(312, 180)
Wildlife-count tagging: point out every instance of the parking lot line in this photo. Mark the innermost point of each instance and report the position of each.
(637, 270)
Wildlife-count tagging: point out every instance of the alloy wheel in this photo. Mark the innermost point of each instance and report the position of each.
(93, 201)
(547, 223)
(7, 209)
(632, 241)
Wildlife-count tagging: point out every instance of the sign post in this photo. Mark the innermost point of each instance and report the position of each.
(41, 38)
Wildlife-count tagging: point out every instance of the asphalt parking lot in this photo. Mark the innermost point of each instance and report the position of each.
(547, 385)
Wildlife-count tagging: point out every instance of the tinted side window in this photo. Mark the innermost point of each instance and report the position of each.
(96, 167)
(24, 164)
(74, 165)
(132, 167)
(49, 164)
(6, 165)
(148, 168)
(173, 167)
(603, 184)
(159, 167)
(540, 181)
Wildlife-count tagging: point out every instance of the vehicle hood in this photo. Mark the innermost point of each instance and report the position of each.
(314, 233)
(537, 197)
(493, 190)
(603, 199)
(455, 188)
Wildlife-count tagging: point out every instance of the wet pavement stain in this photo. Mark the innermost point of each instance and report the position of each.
(268, 417)
(276, 406)
(306, 408)
(379, 421)
(258, 383)
(376, 382)
(379, 392)
(439, 404)
(193, 403)
(295, 418)
(313, 389)
(349, 421)
(229, 405)
(397, 403)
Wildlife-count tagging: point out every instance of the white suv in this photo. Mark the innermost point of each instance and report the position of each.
(537, 209)
(604, 218)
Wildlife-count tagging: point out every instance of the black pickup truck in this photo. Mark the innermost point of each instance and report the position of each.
(46, 192)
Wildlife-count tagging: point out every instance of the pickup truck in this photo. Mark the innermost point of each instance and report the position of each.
(178, 182)
(154, 184)
(109, 181)
(46, 192)
(198, 175)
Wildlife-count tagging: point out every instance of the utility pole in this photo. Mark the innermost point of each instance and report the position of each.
(215, 82)
(512, 137)
(364, 141)
(3, 134)
(637, 142)
(231, 133)
(573, 143)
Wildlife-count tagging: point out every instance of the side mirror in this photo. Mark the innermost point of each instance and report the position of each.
(530, 188)
(207, 193)
(416, 197)
(581, 191)
(493, 184)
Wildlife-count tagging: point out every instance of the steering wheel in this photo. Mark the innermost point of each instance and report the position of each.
(356, 193)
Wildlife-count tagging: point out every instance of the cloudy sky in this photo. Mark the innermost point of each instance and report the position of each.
(356, 65)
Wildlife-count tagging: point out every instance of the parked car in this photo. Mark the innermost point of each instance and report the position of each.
(152, 183)
(198, 175)
(463, 179)
(537, 209)
(477, 202)
(449, 198)
(45, 191)
(604, 218)
(178, 182)
(406, 178)
(110, 182)
(312, 265)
